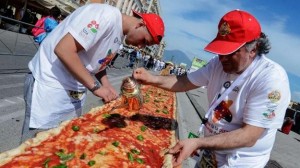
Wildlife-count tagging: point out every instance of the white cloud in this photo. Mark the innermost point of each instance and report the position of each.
(285, 49)
(296, 96)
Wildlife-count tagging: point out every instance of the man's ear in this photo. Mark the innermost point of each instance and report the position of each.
(140, 24)
(254, 50)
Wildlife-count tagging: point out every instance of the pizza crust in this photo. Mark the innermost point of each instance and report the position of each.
(7, 156)
(169, 157)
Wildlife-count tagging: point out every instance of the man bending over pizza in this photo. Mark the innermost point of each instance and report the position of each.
(248, 95)
(81, 46)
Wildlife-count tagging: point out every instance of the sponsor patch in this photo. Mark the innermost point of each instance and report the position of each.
(88, 32)
(117, 41)
(224, 29)
(269, 114)
(93, 26)
(75, 94)
(274, 96)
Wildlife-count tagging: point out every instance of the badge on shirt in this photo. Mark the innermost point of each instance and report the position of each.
(105, 61)
(75, 94)
(93, 26)
(222, 112)
(274, 96)
(88, 32)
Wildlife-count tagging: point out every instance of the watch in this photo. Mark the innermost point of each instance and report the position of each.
(96, 86)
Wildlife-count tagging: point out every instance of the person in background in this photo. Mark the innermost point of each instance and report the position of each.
(248, 95)
(46, 24)
(150, 63)
(146, 59)
(132, 58)
(157, 65)
(139, 57)
(73, 59)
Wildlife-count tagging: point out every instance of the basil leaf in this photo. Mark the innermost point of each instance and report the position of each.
(102, 153)
(116, 143)
(106, 115)
(65, 157)
(144, 128)
(83, 156)
(134, 151)
(45, 164)
(60, 166)
(139, 160)
(165, 111)
(140, 137)
(130, 157)
(96, 130)
(92, 162)
(75, 128)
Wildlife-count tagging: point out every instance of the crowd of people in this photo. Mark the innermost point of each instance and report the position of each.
(138, 58)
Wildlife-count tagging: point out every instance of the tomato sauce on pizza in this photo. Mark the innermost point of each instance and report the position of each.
(105, 138)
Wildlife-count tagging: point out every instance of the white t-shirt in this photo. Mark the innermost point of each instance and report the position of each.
(97, 27)
(260, 101)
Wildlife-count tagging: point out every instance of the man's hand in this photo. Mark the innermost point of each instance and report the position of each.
(107, 93)
(183, 149)
(143, 76)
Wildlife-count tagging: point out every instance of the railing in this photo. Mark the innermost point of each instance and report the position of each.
(14, 43)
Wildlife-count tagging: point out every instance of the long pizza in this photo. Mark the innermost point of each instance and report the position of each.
(106, 137)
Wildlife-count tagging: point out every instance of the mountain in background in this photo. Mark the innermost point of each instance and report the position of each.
(177, 57)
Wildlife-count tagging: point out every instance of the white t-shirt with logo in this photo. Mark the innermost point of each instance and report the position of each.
(259, 101)
(57, 95)
(97, 27)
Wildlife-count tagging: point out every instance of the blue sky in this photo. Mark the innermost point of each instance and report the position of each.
(192, 24)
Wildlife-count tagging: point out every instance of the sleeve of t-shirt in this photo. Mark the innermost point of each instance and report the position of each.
(201, 76)
(268, 99)
(91, 24)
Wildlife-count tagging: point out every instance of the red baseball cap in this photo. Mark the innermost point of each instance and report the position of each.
(236, 28)
(154, 24)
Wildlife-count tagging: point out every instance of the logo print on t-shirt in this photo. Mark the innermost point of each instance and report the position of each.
(274, 96)
(105, 61)
(269, 114)
(222, 112)
(75, 94)
(227, 84)
(93, 26)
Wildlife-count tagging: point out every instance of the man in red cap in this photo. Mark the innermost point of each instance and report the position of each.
(248, 95)
(75, 52)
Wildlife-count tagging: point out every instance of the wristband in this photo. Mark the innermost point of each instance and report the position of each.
(96, 86)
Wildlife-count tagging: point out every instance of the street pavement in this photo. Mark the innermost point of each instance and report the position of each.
(191, 105)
